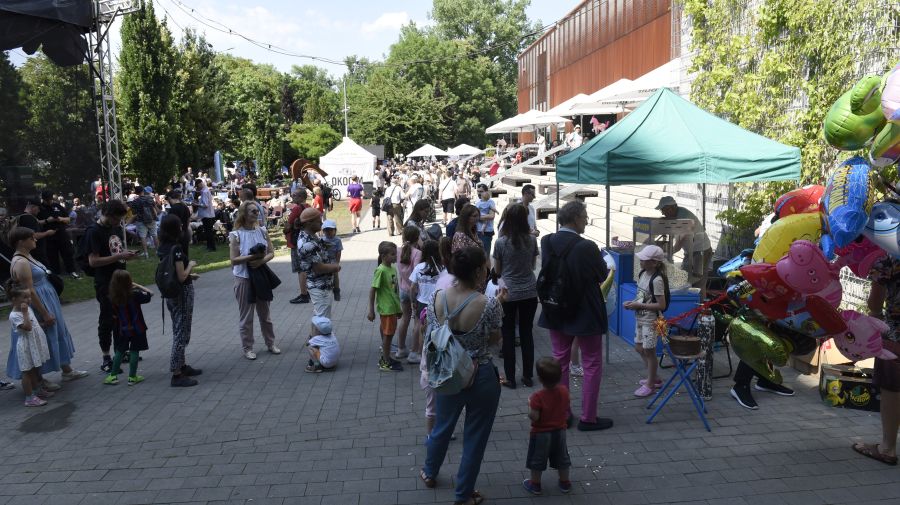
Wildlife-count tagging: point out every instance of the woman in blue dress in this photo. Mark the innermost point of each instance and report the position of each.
(32, 275)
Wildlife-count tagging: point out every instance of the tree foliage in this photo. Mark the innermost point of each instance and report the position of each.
(146, 83)
(312, 141)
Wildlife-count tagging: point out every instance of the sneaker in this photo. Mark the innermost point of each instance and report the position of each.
(135, 379)
(565, 486)
(74, 276)
(34, 401)
(396, 366)
(600, 424)
(249, 354)
(531, 487)
(111, 380)
(295, 299)
(301, 299)
(50, 386)
(182, 382)
(188, 371)
(337, 294)
(643, 392)
(771, 387)
(6, 386)
(401, 353)
(383, 365)
(74, 375)
(316, 369)
(274, 350)
(657, 384)
(744, 398)
(413, 358)
(107, 364)
(576, 371)
(43, 393)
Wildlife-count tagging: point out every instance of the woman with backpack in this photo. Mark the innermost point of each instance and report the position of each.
(652, 300)
(181, 306)
(475, 321)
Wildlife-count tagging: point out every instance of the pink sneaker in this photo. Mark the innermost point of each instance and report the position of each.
(643, 392)
(656, 385)
(34, 401)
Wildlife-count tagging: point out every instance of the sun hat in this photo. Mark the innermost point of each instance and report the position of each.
(651, 252)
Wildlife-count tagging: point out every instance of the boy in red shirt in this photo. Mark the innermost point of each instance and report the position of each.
(549, 414)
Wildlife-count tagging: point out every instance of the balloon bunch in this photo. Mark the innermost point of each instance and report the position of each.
(788, 286)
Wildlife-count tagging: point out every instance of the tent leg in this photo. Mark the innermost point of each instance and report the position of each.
(557, 204)
(607, 216)
(703, 203)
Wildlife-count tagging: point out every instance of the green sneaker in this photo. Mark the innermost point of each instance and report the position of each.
(111, 380)
(134, 379)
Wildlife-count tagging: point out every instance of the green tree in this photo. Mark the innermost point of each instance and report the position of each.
(197, 102)
(12, 120)
(312, 141)
(61, 137)
(146, 85)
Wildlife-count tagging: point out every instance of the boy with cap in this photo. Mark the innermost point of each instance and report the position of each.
(314, 261)
(651, 301)
(324, 350)
(333, 252)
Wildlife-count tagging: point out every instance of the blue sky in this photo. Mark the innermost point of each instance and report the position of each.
(330, 29)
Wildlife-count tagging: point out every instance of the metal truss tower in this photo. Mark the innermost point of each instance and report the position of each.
(104, 14)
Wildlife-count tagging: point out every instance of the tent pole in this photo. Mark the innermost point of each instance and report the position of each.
(607, 216)
(557, 203)
(703, 204)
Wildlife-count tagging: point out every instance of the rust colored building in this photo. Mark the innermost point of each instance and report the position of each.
(594, 45)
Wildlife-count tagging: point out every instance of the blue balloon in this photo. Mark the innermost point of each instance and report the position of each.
(847, 200)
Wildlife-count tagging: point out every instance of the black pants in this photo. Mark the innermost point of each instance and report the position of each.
(106, 323)
(744, 374)
(59, 244)
(523, 312)
(209, 232)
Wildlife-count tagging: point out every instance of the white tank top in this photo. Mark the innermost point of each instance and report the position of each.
(246, 240)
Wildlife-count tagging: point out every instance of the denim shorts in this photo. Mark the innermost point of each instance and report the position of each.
(548, 445)
(404, 296)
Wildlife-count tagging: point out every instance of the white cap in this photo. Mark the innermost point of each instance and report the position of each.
(329, 224)
(651, 252)
(323, 324)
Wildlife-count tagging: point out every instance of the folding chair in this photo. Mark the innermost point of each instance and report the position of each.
(684, 365)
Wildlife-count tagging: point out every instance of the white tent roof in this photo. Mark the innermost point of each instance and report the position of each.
(464, 150)
(427, 151)
(562, 109)
(347, 151)
(593, 103)
(666, 76)
(502, 126)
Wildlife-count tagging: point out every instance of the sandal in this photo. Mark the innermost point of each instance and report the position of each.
(871, 451)
(429, 481)
(476, 499)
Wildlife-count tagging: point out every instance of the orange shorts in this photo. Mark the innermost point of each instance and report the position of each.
(389, 324)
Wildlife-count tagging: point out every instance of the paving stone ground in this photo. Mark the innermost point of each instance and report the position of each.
(265, 432)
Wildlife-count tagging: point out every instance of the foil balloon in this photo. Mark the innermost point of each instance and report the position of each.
(799, 201)
(856, 116)
(777, 240)
(759, 347)
(770, 295)
(860, 254)
(767, 223)
(806, 270)
(890, 95)
(862, 340)
(886, 146)
(800, 343)
(883, 228)
(736, 262)
(813, 317)
(848, 200)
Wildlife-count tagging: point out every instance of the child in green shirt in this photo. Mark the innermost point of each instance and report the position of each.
(384, 296)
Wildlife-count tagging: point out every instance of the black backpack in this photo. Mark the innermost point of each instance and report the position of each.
(557, 288)
(84, 250)
(665, 289)
(167, 276)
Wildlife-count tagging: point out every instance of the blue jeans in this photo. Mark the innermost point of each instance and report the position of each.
(486, 238)
(480, 401)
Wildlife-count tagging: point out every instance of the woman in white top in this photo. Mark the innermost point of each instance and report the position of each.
(447, 195)
(247, 233)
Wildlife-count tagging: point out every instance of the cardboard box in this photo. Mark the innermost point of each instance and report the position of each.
(850, 387)
(827, 352)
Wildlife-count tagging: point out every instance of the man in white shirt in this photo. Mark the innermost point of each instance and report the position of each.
(447, 192)
(206, 211)
(574, 139)
(395, 216)
(697, 247)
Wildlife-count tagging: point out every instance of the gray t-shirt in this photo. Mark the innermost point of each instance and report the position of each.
(518, 272)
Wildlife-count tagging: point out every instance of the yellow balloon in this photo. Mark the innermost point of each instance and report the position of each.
(777, 240)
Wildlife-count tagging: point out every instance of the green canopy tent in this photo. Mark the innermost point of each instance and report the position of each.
(668, 140)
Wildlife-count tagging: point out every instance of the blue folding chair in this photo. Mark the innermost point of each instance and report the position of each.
(684, 366)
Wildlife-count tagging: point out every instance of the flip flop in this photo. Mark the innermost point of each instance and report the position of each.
(871, 451)
(429, 481)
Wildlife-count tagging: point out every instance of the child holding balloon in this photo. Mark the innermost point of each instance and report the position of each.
(650, 302)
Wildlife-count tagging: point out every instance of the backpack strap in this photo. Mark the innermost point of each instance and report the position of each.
(450, 315)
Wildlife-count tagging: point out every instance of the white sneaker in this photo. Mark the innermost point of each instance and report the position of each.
(249, 354)
(413, 358)
(51, 386)
(74, 375)
(401, 353)
(576, 371)
(274, 350)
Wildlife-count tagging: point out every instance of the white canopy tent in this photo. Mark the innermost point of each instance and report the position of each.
(464, 150)
(427, 151)
(346, 160)
(666, 76)
(562, 109)
(527, 121)
(593, 104)
(502, 126)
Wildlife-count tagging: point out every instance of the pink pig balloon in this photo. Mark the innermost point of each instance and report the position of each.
(863, 337)
(860, 255)
(806, 270)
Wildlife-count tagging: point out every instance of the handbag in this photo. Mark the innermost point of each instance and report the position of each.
(55, 280)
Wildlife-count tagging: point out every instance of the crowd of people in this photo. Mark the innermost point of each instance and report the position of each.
(476, 277)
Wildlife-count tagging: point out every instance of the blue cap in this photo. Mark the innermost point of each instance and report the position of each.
(323, 324)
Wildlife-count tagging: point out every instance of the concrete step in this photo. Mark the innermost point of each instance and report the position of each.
(539, 170)
(515, 180)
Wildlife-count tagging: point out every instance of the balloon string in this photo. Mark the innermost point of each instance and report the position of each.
(721, 298)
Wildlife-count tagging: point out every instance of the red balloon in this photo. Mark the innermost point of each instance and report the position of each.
(772, 295)
(799, 201)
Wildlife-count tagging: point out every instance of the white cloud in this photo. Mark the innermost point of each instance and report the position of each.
(389, 21)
